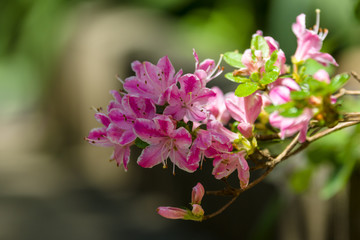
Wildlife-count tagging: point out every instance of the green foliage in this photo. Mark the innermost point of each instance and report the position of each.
(288, 109)
(338, 81)
(236, 79)
(140, 143)
(259, 43)
(233, 59)
(246, 89)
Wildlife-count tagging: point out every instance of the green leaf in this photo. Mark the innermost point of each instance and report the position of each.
(291, 112)
(246, 89)
(233, 59)
(271, 76)
(259, 43)
(316, 87)
(270, 63)
(255, 76)
(299, 95)
(272, 108)
(236, 79)
(338, 81)
(140, 143)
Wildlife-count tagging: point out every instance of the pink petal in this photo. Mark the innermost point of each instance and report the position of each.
(147, 131)
(119, 136)
(179, 158)
(122, 155)
(324, 58)
(172, 212)
(196, 113)
(279, 95)
(245, 129)
(182, 138)
(176, 111)
(98, 137)
(197, 210)
(164, 125)
(189, 84)
(243, 176)
(322, 76)
(150, 156)
(168, 71)
(299, 27)
(102, 118)
(142, 107)
(197, 193)
(120, 119)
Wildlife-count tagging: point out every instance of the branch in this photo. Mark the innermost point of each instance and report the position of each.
(331, 130)
(236, 193)
(285, 152)
(343, 92)
(272, 162)
(356, 76)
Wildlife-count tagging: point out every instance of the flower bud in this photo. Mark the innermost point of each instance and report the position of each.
(197, 194)
(197, 210)
(172, 212)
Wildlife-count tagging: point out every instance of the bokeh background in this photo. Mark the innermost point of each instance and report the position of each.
(59, 58)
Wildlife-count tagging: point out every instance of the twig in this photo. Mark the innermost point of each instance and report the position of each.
(267, 137)
(272, 162)
(356, 76)
(343, 92)
(348, 117)
(236, 194)
(285, 152)
(330, 130)
(206, 217)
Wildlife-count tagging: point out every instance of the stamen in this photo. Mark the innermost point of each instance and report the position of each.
(317, 25)
(147, 74)
(215, 68)
(119, 79)
(324, 34)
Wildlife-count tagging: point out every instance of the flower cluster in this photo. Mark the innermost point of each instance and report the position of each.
(176, 117)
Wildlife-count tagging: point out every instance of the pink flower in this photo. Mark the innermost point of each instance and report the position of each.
(310, 41)
(217, 107)
(252, 65)
(165, 142)
(172, 212)
(245, 110)
(105, 138)
(288, 126)
(123, 118)
(281, 59)
(152, 81)
(197, 194)
(209, 143)
(190, 100)
(257, 64)
(206, 70)
(227, 163)
(322, 76)
(197, 212)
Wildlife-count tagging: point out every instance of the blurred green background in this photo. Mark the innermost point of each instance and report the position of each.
(59, 58)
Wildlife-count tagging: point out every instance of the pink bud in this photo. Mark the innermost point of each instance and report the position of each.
(197, 194)
(172, 212)
(197, 210)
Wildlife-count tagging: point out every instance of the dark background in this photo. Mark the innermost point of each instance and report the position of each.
(59, 58)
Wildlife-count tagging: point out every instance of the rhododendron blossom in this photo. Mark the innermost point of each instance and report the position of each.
(176, 117)
(310, 41)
